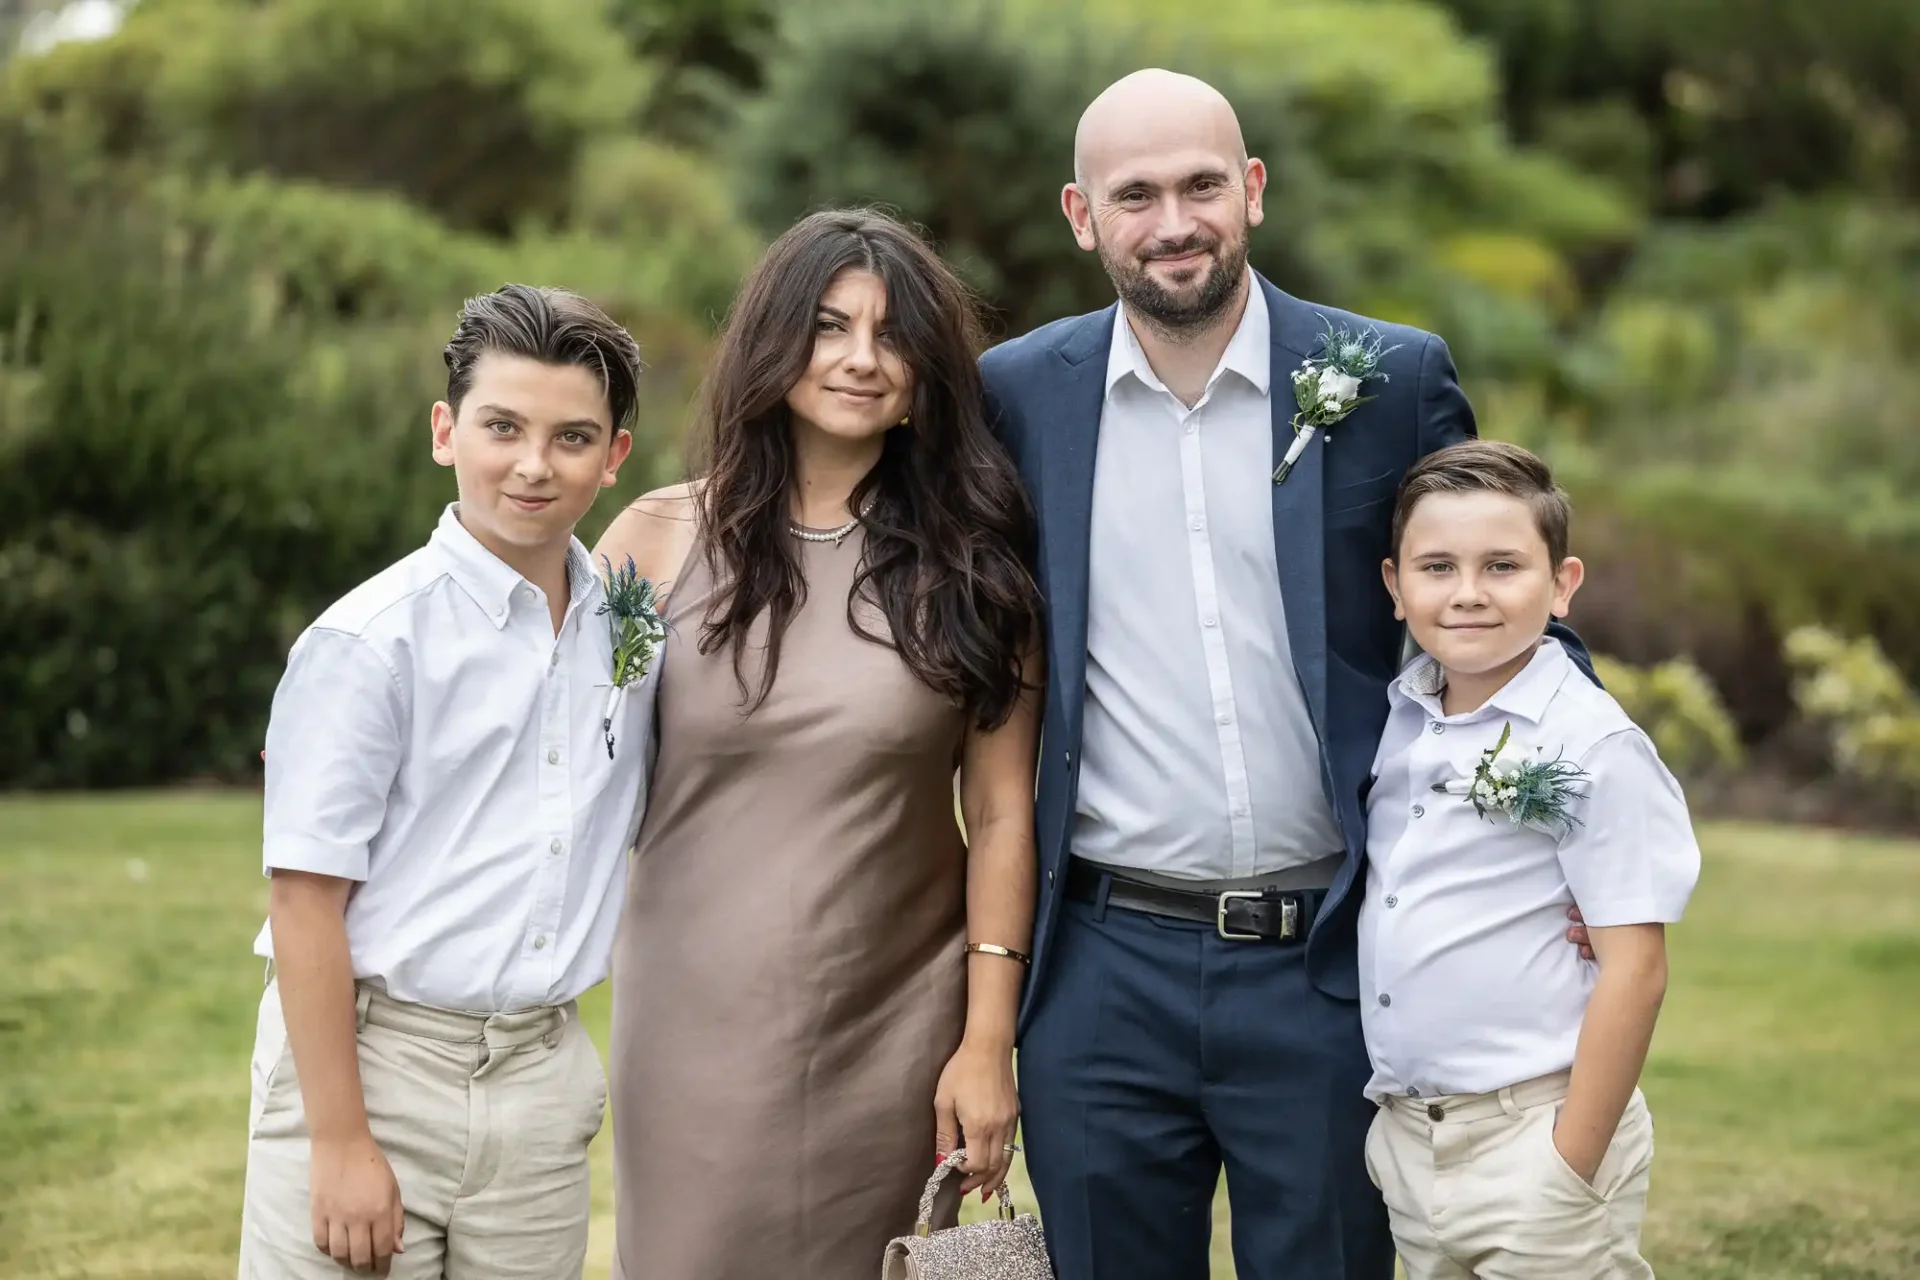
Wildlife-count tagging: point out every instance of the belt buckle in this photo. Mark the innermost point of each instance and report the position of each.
(1289, 916)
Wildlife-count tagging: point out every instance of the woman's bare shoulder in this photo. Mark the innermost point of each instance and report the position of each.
(656, 530)
(675, 502)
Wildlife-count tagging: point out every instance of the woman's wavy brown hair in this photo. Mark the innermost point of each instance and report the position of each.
(950, 533)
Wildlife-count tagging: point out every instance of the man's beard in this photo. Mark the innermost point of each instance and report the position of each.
(1191, 308)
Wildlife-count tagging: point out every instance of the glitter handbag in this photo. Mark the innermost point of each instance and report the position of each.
(1006, 1247)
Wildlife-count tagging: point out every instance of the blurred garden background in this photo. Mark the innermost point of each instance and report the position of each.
(1674, 244)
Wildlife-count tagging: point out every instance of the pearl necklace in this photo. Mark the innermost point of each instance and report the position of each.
(835, 536)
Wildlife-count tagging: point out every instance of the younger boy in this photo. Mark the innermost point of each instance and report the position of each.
(1512, 1139)
(445, 834)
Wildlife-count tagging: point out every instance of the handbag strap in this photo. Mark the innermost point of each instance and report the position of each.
(924, 1225)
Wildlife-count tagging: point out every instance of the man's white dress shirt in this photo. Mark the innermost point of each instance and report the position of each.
(1199, 759)
(433, 739)
(1467, 981)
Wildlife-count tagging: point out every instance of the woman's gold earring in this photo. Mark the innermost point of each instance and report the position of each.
(905, 419)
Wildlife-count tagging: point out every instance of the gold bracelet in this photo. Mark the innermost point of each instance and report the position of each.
(988, 948)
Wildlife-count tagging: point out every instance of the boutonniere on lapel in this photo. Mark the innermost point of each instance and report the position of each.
(1518, 781)
(637, 631)
(1327, 386)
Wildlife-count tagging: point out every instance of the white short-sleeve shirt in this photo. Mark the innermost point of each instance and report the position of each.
(1467, 981)
(435, 740)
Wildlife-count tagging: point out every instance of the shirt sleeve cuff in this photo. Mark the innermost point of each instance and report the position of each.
(320, 857)
(1609, 915)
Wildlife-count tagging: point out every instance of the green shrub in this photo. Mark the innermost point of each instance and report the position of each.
(669, 209)
(1677, 706)
(1872, 714)
(182, 487)
(1735, 100)
(1722, 565)
(1777, 344)
(708, 53)
(192, 466)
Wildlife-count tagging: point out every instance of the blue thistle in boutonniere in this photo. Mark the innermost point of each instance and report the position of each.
(1528, 789)
(637, 631)
(1326, 388)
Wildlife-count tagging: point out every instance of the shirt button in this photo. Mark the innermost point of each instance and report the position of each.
(555, 847)
(1438, 727)
(554, 659)
(1385, 999)
(540, 943)
(1413, 1091)
(1196, 524)
(1191, 428)
(1393, 900)
(1209, 621)
(553, 755)
(1224, 718)
(1239, 811)
(1419, 811)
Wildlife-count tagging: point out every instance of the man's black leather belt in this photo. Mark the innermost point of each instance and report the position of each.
(1238, 915)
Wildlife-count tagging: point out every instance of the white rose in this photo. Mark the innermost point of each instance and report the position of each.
(1337, 388)
(1517, 753)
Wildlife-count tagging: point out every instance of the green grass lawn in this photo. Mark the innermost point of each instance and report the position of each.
(1783, 1080)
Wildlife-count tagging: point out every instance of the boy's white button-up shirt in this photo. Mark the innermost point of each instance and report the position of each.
(435, 740)
(1467, 981)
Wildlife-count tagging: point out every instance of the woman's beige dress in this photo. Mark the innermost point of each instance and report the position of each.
(789, 978)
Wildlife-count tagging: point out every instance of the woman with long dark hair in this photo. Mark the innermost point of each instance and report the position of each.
(817, 976)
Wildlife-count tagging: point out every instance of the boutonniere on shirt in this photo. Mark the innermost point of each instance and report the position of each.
(637, 632)
(1327, 386)
(1518, 781)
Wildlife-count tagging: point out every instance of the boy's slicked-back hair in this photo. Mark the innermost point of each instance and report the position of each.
(1488, 466)
(553, 326)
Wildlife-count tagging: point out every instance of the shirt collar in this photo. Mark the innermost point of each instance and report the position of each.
(489, 579)
(1247, 351)
(1524, 697)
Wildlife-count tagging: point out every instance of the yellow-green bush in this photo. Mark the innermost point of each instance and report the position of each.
(1680, 710)
(1871, 712)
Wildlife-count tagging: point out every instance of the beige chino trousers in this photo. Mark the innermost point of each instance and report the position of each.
(484, 1119)
(1475, 1188)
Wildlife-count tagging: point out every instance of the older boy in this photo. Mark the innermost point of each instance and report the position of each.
(445, 833)
(1512, 1140)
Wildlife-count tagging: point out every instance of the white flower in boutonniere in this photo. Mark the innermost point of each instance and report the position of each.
(1326, 388)
(637, 632)
(1517, 780)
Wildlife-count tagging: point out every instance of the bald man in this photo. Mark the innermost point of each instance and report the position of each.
(1220, 647)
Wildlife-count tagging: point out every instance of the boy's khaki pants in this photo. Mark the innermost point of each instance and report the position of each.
(1475, 1188)
(485, 1121)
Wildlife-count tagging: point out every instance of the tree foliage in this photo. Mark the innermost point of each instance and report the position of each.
(1719, 104)
(475, 110)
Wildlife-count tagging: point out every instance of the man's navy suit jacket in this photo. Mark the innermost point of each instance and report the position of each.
(1331, 530)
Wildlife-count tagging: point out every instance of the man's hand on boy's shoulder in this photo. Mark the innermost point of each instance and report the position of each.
(357, 1215)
